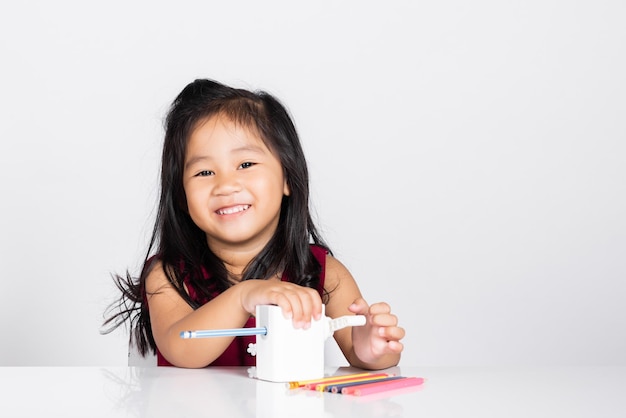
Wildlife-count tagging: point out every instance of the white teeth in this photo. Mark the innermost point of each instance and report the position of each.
(234, 209)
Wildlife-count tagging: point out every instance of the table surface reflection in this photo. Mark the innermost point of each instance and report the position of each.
(232, 392)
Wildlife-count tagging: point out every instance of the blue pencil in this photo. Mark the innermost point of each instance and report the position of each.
(338, 387)
(233, 332)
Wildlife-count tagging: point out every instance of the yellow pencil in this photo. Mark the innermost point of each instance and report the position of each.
(336, 379)
(321, 387)
(302, 383)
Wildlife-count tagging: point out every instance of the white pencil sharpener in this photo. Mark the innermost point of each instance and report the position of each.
(287, 354)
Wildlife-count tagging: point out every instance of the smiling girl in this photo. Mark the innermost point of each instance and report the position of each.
(233, 231)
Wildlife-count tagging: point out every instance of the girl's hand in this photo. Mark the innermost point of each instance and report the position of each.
(380, 336)
(298, 303)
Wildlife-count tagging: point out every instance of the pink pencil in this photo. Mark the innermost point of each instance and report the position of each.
(381, 386)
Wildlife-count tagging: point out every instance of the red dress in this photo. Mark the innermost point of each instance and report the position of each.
(236, 353)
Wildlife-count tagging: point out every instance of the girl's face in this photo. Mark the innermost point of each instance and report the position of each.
(234, 185)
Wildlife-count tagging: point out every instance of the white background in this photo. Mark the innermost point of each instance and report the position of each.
(467, 162)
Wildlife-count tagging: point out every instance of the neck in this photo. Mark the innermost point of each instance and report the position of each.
(236, 259)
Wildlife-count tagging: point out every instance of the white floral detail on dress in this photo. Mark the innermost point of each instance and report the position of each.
(252, 349)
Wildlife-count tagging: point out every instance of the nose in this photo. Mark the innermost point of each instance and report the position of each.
(226, 184)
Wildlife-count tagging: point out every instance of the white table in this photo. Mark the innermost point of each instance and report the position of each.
(229, 392)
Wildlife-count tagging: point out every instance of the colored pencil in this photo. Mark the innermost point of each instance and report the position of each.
(336, 379)
(376, 387)
(303, 383)
(337, 387)
(233, 332)
(321, 387)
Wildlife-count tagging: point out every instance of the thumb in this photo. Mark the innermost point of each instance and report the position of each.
(359, 307)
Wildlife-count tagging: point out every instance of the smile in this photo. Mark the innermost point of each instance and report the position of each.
(231, 210)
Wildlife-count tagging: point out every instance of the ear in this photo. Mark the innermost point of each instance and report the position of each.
(286, 190)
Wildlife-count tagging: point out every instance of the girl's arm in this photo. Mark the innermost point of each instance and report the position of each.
(170, 314)
(374, 346)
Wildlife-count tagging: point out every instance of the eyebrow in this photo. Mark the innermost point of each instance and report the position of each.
(195, 159)
(246, 148)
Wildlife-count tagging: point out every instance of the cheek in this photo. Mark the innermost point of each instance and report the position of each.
(197, 212)
(276, 187)
(192, 200)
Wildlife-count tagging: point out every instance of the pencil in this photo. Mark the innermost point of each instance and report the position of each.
(321, 387)
(367, 389)
(233, 332)
(338, 387)
(336, 379)
(303, 383)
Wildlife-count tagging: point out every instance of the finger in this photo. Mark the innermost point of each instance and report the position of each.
(284, 297)
(380, 308)
(296, 309)
(359, 307)
(316, 304)
(395, 346)
(384, 320)
(312, 303)
(391, 333)
(303, 303)
(387, 347)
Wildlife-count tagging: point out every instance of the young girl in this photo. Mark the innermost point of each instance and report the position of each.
(233, 230)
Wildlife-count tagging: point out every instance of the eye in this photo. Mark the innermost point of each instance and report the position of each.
(246, 165)
(205, 173)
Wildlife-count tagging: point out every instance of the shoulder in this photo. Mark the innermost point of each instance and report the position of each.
(155, 275)
(156, 278)
(336, 272)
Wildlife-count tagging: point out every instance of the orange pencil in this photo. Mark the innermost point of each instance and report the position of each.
(321, 387)
(303, 383)
(335, 379)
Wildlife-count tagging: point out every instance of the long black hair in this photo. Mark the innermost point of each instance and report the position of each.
(181, 246)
